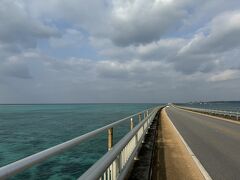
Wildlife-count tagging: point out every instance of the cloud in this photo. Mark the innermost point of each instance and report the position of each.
(190, 64)
(211, 48)
(92, 16)
(122, 22)
(119, 51)
(128, 70)
(85, 80)
(216, 39)
(71, 37)
(17, 71)
(19, 30)
(141, 22)
(14, 68)
(156, 51)
(225, 75)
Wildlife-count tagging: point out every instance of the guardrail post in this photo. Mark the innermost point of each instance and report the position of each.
(131, 124)
(110, 138)
(139, 117)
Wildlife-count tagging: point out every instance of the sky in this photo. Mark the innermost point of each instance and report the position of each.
(119, 51)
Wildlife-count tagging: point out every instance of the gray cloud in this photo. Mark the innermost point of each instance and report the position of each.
(91, 16)
(123, 22)
(226, 75)
(70, 37)
(15, 69)
(80, 80)
(217, 39)
(128, 70)
(190, 64)
(18, 71)
(155, 51)
(18, 29)
(141, 22)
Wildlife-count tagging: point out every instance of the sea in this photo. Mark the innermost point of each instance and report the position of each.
(28, 129)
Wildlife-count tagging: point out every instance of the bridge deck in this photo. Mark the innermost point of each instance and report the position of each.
(216, 143)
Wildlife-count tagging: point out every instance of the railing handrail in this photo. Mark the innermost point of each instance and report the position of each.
(101, 165)
(29, 161)
(216, 111)
(207, 109)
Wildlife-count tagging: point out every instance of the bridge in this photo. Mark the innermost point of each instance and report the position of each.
(168, 142)
(214, 141)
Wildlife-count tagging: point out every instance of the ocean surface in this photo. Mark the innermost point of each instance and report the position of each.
(28, 129)
(225, 105)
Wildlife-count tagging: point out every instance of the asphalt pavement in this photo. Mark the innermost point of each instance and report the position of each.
(216, 143)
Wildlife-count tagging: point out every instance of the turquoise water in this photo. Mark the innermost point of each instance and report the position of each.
(226, 106)
(28, 129)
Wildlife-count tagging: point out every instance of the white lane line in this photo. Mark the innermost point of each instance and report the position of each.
(198, 163)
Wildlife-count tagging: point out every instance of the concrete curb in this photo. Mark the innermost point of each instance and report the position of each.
(195, 159)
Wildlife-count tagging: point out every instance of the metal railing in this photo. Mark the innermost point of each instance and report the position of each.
(231, 114)
(113, 165)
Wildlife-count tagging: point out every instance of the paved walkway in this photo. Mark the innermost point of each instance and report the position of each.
(172, 161)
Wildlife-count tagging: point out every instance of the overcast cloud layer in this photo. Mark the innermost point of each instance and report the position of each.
(119, 51)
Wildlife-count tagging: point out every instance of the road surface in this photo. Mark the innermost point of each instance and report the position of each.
(216, 143)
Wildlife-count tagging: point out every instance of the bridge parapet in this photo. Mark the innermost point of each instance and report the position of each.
(228, 114)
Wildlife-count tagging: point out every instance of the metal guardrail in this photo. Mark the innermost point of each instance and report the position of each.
(113, 165)
(233, 114)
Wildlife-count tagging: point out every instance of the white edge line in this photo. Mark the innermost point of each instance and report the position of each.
(198, 163)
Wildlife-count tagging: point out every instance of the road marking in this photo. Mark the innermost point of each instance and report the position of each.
(198, 163)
